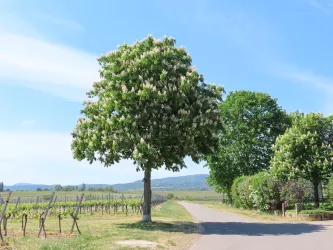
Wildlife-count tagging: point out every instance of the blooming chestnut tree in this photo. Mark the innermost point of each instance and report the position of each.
(150, 106)
(305, 151)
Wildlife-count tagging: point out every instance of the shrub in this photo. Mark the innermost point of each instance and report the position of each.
(306, 206)
(243, 190)
(234, 191)
(170, 196)
(316, 211)
(189, 198)
(330, 190)
(264, 191)
(297, 191)
(326, 206)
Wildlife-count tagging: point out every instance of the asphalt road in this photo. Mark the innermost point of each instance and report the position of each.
(226, 231)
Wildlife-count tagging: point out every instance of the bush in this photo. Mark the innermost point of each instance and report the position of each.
(316, 211)
(170, 196)
(189, 198)
(306, 206)
(243, 190)
(326, 206)
(235, 191)
(330, 190)
(297, 191)
(264, 191)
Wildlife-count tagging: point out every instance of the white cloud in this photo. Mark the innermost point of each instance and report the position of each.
(46, 66)
(28, 122)
(46, 157)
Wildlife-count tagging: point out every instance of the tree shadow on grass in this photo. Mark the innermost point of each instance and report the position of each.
(227, 228)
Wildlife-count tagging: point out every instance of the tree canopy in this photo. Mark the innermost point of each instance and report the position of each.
(252, 122)
(305, 150)
(150, 106)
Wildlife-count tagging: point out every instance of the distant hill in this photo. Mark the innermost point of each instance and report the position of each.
(188, 182)
(27, 186)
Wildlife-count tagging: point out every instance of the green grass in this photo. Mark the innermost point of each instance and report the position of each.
(172, 228)
(316, 211)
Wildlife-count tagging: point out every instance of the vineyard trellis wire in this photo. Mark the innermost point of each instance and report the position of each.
(63, 207)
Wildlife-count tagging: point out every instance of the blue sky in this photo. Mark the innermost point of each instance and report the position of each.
(48, 52)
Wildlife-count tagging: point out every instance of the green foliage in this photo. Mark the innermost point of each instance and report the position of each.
(252, 122)
(189, 198)
(264, 191)
(83, 187)
(170, 196)
(316, 211)
(244, 191)
(57, 187)
(330, 190)
(236, 197)
(296, 191)
(305, 150)
(326, 206)
(1, 186)
(151, 106)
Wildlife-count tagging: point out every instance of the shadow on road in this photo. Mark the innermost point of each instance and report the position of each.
(227, 228)
(258, 229)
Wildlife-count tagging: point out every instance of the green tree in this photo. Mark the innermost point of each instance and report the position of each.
(39, 189)
(305, 151)
(150, 106)
(170, 196)
(57, 187)
(252, 122)
(83, 187)
(1, 186)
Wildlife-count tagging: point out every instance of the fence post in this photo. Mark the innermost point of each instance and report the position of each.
(45, 214)
(284, 209)
(298, 208)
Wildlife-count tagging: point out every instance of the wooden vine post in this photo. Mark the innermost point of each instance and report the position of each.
(76, 215)
(55, 200)
(109, 205)
(17, 202)
(122, 202)
(41, 226)
(37, 200)
(2, 215)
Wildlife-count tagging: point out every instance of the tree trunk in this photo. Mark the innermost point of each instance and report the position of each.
(146, 217)
(229, 197)
(316, 195)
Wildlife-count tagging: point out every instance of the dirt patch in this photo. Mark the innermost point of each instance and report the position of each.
(137, 243)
